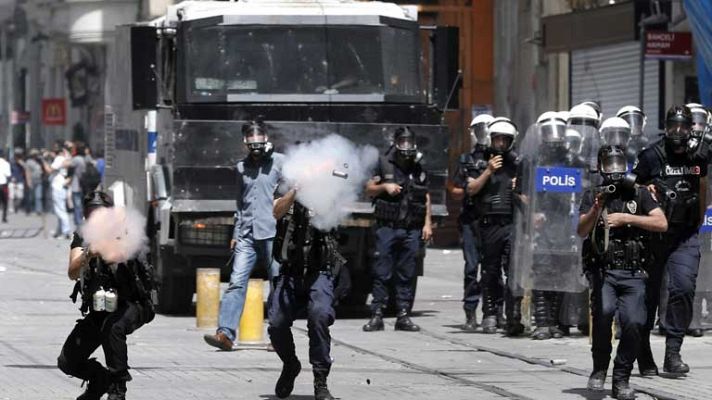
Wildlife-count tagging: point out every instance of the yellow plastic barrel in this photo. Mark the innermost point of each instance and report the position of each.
(207, 297)
(252, 321)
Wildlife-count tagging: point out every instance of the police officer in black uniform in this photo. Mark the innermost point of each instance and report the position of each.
(470, 165)
(309, 261)
(615, 257)
(132, 283)
(678, 179)
(493, 188)
(402, 211)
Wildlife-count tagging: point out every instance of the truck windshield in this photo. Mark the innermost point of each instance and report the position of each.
(302, 63)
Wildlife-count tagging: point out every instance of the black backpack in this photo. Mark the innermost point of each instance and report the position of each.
(90, 178)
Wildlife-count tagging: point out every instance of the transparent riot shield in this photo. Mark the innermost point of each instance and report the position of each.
(702, 306)
(547, 251)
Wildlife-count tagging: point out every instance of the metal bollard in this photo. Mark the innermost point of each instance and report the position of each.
(252, 321)
(207, 297)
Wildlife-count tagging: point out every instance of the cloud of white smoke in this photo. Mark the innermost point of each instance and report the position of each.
(118, 234)
(330, 173)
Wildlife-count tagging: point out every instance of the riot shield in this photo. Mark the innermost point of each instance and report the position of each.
(547, 253)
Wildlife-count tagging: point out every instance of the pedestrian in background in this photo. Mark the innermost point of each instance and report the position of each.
(58, 182)
(33, 173)
(5, 174)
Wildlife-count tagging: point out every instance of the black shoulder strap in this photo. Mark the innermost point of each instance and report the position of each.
(659, 149)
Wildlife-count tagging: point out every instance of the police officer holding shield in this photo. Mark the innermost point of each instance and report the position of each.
(402, 211)
(678, 179)
(471, 164)
(614, 219)
(493, 188)
(547, 260)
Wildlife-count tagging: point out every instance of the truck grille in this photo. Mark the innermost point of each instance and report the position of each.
(197, 233)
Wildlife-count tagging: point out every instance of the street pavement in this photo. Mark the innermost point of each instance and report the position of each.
(170, 360)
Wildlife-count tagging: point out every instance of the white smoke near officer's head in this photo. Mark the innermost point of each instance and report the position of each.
(330, 173)
(117, 234)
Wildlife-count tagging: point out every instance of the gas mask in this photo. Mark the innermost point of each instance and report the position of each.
(406, 148)
(613, 167)
(255, 138)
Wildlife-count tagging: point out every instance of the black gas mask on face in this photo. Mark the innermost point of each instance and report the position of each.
(254, 135)
(678, 127)
(613, 167)
(406, 147)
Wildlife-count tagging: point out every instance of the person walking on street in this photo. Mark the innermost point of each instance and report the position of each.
(77, 166)
(5, 174)
(58, 182)
(258, 175)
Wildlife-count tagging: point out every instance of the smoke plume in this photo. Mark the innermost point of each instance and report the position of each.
(330, 174)
(117, 234)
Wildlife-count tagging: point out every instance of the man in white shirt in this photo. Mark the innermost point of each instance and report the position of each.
(5, 174)
(58, 182)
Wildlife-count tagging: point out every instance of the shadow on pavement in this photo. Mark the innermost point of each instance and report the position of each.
(587, 394)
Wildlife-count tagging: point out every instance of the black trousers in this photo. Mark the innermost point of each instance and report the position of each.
(3, 201)
(496, 249)
(622, 291)
(108, 330)
(313, 293)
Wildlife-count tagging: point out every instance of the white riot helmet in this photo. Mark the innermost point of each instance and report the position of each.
(635, 117)
(478, 129)
(501, 127)
(552, 128)
(615, 132)
(584, 114)
(700, 118)
(563, 115)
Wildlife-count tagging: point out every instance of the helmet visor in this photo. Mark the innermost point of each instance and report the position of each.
(552, 132)
(405, 143)
(479, 133)
(677, 130)
(614, 163)
(501, 142)
(636, 122)
(255, 136)
(616, 136)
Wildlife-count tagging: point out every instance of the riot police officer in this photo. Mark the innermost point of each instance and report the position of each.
(106, 322)
(549, 267)
(402, 211)
(493, 188)
(468, 221)
(678, 180)
(309, 261)
(614, 221)
(636, 119)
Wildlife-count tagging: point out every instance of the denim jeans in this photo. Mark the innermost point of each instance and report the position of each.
(248, 252)
(78, 212)
(59, 202)
(37, 197)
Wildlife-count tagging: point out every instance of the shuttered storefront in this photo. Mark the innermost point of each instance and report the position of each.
(610, 74)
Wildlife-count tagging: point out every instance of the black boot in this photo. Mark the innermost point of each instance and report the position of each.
(514, 317)
(622, 391)
(646, 362)
(96, 388)
(285, 383)
(470, 321)
(597, 380)
(673, 363)
(555, 299)
(375, 323)
(321, 391)
(117, 391)
(403, 322)
(541, 316)
(489, 311)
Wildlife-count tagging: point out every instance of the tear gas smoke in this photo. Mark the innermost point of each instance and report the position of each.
(330, 173)
(117, 234)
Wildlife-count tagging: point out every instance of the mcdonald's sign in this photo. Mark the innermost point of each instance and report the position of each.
(54, 112)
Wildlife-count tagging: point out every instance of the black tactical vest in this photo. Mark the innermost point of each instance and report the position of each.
(301, 248)
(408, 208)
(497, 196)
(678, 189)
(473, 164)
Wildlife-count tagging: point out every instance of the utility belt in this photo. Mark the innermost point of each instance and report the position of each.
(404, 224)
(323, 256)
(388, 213)
(624, 255)
(496, 219)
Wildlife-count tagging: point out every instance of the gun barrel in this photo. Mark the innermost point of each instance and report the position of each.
(610, 189)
